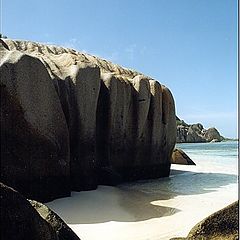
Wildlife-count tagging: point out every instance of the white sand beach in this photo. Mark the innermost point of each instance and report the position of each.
(152, 209)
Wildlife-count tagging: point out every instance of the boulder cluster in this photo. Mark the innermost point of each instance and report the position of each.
(71, 121)
(196, 133)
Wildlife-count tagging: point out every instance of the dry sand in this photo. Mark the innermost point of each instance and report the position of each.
(153, 209)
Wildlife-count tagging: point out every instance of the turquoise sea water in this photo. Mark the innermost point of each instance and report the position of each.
(216, 167)
(222, 155)
(228, 148)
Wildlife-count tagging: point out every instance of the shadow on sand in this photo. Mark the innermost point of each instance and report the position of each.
(132, 202)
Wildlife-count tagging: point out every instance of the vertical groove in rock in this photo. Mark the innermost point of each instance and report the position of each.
(156, 121)
(83, 116)
(142, 98)
(83, 169)
(102, 125)
(169, 120)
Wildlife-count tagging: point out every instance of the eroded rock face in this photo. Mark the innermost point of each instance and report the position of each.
(34, 133)
(212, 134)
(27, 219)
(77, 120)
(223, 224)
(60, 227)
(19, 220)
(195, 133)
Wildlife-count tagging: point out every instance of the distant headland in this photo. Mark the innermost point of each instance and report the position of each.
(196, 133)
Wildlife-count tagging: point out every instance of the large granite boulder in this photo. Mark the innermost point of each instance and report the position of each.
(76, 121)
(181, 134)
(180, 157)
(195, 133)
(60, 227)
(34, 133)
(223, 224)
(212, 134)
(84, 162)
(19, 220)
(27, 219)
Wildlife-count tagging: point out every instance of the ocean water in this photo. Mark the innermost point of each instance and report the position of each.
(218, 149)
(222, 156)
(157, 209)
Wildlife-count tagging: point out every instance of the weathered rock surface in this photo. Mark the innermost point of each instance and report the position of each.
(70, 121)
(19, 220)
(27, 219)
(193, 133)
(221, 225)
(180, 157)
(34, 132)
(60, 227)
(212, 135)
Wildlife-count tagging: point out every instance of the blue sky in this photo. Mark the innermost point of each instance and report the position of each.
(188, 45)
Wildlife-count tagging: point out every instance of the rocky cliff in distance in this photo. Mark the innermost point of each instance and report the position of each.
(71, 121)
(195, 133)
